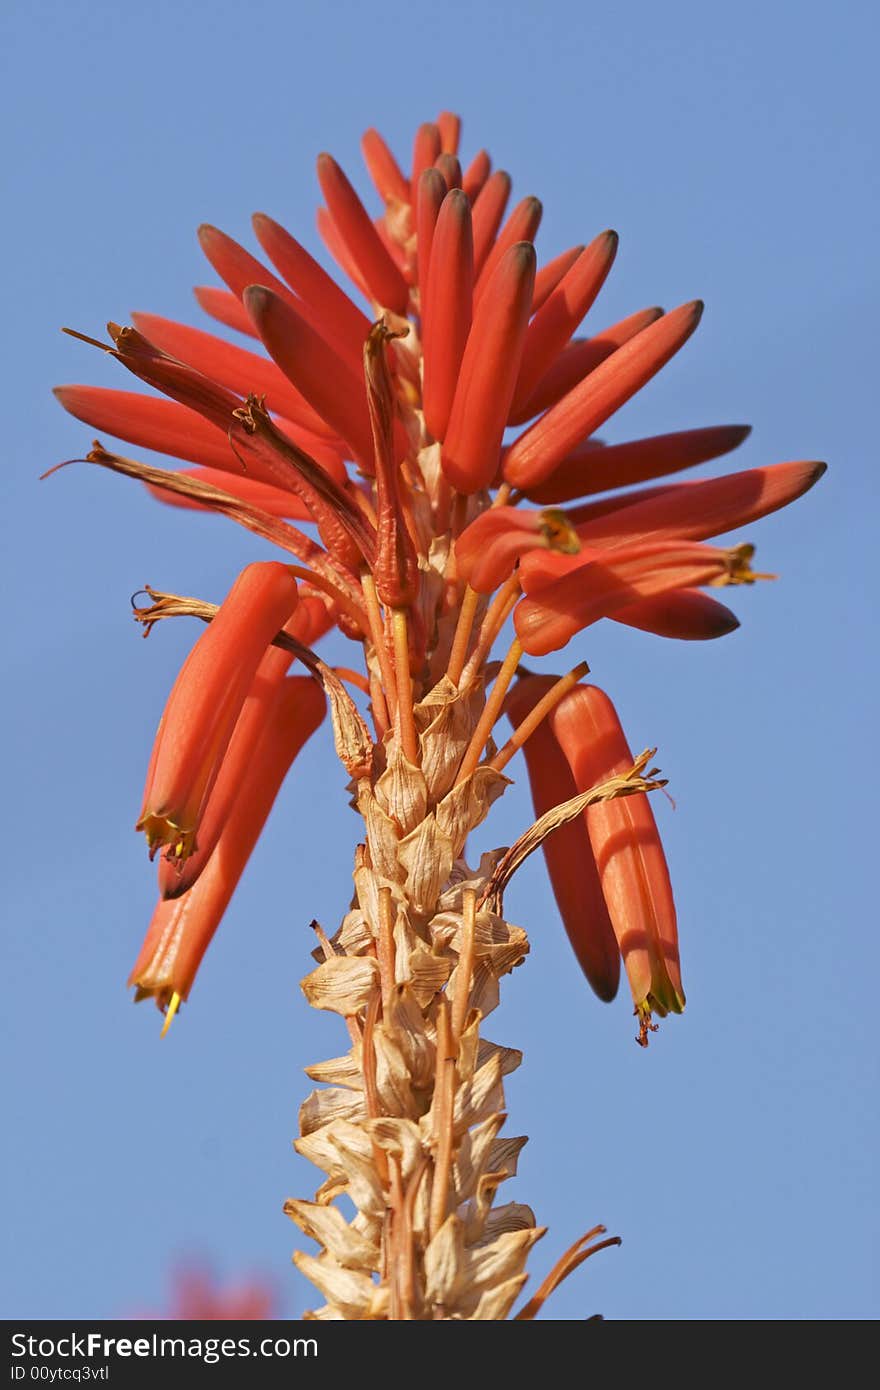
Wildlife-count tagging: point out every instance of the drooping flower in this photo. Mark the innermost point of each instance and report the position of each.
(205, 703)
(627, 851)
(183, 927)
(571, 865)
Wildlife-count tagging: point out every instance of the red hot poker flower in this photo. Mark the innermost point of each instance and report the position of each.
(182, 928)
(626, 844)
(205, 703)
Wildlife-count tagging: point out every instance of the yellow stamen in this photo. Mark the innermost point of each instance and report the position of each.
(739, 569)
(170, 1012)
(558, 532)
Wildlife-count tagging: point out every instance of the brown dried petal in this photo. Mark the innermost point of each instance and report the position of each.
(445, 719)
(511, 1216)
(480, 1098)
(401, 1138)
(504, 1154)
(352, 1292)
(487, 1266)
(354, 936)
(428, 974)
(509, 1057)
(474, 1156)
(392, 1075)
(382, 838)
(468, 804)
(469, 1041)
(401, 790)
(444, 1263)
(331, 1103)
(338, 1071)
(342, 985)
(495, 1304)
(427, 855)
(485, 995)
(329, 1228)
(408, 1025)
(345, 1148)
(328, 1313)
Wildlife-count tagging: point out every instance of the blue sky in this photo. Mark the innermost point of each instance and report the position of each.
(731, 149)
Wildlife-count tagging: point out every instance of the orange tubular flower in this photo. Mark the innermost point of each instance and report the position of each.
(446, 310)
(205, 703)
(601, 583)
(626, 844)
(568, 853)
(488, 550)
(183, 927)
(488, 373)
(536, 453)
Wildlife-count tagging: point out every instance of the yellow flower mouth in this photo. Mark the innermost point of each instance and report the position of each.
(558, 532)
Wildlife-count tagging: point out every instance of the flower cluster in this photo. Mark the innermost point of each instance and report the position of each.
(422, 448)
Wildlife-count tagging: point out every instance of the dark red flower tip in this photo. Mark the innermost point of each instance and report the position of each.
(476, 174)
(488, 208)
(688, 615)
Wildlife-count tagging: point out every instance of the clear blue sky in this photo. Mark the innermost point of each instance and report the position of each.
(731, 148)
